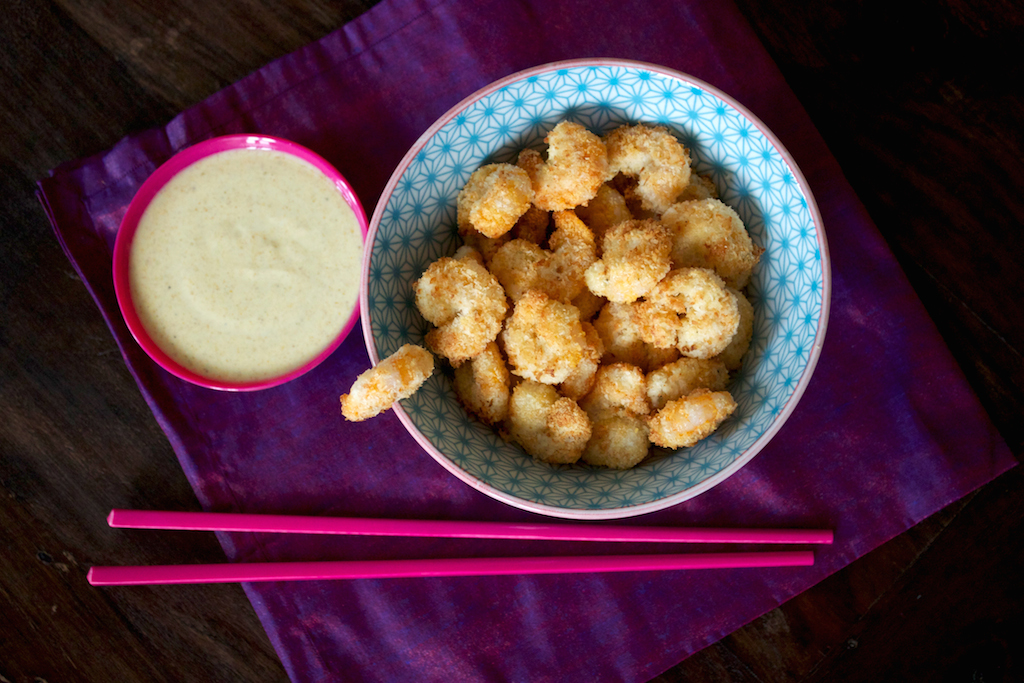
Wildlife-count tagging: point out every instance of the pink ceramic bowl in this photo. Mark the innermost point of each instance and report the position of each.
(141, 201)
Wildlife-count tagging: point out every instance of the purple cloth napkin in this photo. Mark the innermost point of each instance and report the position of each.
(867, 453)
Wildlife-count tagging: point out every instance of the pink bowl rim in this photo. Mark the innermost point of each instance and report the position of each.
(140, 202)
(753, 449)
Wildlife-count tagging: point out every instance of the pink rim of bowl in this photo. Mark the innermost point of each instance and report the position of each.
(670, 500)
(140, 202)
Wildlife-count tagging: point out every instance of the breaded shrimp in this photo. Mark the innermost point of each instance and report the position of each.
(622, 342)
(681, 377)
(487, 246)
(619, 440)
(521, 265)
(690, 309)
(686, 421)
(588, 303)
(582, 379)
(517, 266)
(544, 339)
(618, 386)
(482, 385)
(576, 165)
(733, 354)
(549, 427)
(709, 234)
(627, 187)
(634, 258)
(655, 157)
(396, 377)
(465, 303)
(494, 198)
(606, 210)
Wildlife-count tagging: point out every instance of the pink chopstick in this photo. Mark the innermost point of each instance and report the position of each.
(289, 524)
(486, 566)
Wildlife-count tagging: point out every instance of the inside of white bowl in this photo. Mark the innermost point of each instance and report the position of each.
(416, 225)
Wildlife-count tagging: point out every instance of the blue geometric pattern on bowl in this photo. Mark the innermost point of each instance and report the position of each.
(417, 225)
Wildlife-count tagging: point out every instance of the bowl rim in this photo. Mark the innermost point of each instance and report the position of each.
(751, 451)
(141, 201)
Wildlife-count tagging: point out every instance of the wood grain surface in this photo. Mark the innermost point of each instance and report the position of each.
(921, 102)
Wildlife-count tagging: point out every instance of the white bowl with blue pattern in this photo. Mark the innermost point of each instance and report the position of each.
(415, 223)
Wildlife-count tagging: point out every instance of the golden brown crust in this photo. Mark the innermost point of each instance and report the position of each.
(733, 354)
(482, 385)
(683, 376)
(619, 440)
(544, 339)
(465, 303)
(685, 421)
(549, 427)
(709, 234)
(655, 157)
(577, 164)
(494, 198)
(634, 258)
(690, 309)
(396, 377)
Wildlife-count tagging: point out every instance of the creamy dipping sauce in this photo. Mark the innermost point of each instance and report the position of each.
(246, 265)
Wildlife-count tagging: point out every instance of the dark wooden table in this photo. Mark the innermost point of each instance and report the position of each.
(922, 103)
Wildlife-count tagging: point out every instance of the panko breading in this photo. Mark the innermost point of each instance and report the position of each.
(685, 421)
(549, 427)
(482, 385)
(606, 210)
(521, 265)
(517, 266)
(544, 339)
(465, 303)
(582, 379)
(655, 158)
(487, 246)
(634, 258)
(623, 343)
(737, 348)
(709, 234)
(619, 440)
(494, 198)
(618, 386)
(396, 377)
(576, 165)
(690, 309)
(681, 377)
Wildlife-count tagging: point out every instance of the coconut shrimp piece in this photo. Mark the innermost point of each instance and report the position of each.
(692, 310)
(635, 257)
(494, 198)
(544, 339)
(482, 385)
(709, 234)
(582, 379)
(606, 210)
(686, 421)
(487, 246)
(549, 427)
(517, 266)
(623, 343)
(655, 157)
(681, 377)
(465, 303)
(619, 440)
(732, 357)
(521, 265)
(573, 250)
(577, 164)
(396, 377)
(618, 386)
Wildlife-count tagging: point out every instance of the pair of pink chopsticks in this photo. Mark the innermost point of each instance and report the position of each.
(488, 566)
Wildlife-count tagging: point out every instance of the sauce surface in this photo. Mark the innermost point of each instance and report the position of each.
(246, 265)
